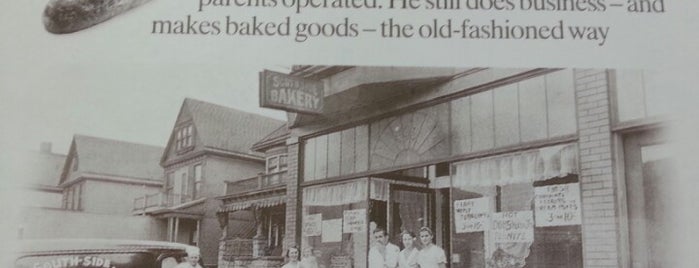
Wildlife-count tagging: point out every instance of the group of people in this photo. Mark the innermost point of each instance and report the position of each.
(308, 260)
(384, 254)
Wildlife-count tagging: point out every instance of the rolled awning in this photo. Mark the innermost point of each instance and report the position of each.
(257, 203)
(521, 167)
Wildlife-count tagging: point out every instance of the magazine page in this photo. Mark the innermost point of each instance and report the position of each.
(348, 133)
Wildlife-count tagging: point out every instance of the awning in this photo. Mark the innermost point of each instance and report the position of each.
(190, 210)
(521, 167)
(257, 203)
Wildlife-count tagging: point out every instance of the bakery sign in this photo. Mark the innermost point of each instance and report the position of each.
(290, 93)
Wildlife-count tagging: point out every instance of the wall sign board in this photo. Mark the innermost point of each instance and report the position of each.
(290, 93)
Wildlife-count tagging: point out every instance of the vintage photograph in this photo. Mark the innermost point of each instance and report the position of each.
(320, 166)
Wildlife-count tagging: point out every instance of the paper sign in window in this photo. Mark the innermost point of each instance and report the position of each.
(354, 221)
(513, 227)
(557, 205)
(471, 215)
(312, 225)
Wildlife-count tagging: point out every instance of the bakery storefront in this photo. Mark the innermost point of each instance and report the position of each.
(486, 158)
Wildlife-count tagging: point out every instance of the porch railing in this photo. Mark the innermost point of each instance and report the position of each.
(233, 249)
(159, 200)
(259, 182)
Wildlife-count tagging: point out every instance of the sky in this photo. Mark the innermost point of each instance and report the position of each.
(124, 102)
(100, 82)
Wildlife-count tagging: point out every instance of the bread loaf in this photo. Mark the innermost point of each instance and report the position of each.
(67, 16)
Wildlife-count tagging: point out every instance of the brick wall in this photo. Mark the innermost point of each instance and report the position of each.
(600, 229)
(292, 183)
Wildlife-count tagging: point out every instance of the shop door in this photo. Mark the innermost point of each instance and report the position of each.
(409, 209)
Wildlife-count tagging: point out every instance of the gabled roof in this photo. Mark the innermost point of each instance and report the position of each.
(223, 128)
(115, 158)
(277, 137)
(45, 168)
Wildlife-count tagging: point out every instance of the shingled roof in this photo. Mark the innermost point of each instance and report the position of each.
(45, 168)
(223, 128)
(115, 158)
(278, 136)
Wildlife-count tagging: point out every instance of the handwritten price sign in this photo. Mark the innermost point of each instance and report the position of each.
(557, 205)
(312, 225)
(354, 221)
(471, 215)
(513, 227)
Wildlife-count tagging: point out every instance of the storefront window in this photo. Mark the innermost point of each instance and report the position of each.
(339, 218)
(648, 168)
(642, 93)
(537, 108)
(471, 217)
(336, 154)
(517, 210)
(334, 224)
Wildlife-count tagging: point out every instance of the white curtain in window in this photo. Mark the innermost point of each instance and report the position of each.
(349, 192)
(526, 166)
(379, 189)
(335, 195)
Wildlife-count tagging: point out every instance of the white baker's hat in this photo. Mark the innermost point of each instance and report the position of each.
(193, 251)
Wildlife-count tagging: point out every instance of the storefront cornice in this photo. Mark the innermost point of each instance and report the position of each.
(656, 122)
(371, 173)
(317, 71)
(457, 158)
(471, 82)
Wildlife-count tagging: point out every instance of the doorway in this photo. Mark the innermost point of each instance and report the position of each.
(409, 209)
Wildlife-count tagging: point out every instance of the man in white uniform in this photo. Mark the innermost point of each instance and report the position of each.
(192, 259)
(383, 254)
